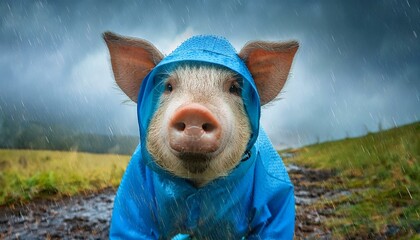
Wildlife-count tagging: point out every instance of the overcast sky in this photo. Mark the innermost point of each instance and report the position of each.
(358, 64)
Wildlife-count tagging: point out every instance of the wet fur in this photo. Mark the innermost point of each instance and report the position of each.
(209, 86)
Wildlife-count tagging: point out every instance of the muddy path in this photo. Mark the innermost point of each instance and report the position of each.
(80, 217)
(87, 216)
(310, 218)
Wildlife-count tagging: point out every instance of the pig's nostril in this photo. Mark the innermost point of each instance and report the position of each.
(208, 127)
(194, 129)
(180, 126)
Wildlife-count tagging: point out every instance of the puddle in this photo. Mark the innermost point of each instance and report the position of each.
(81, 217)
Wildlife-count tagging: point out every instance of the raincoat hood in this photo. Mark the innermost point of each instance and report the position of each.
(206, 49)
(255, 201)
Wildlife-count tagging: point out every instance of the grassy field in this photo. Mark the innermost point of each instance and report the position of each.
(382, 172)
(28, 174)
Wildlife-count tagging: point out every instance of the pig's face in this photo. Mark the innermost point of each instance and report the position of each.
(200, 130)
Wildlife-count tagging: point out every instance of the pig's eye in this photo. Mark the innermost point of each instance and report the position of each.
(235, 89)
(168, 87)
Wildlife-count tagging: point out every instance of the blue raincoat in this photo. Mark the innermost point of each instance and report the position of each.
(255, 201)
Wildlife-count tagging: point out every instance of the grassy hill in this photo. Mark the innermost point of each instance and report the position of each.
(382, 172)
(29, 174)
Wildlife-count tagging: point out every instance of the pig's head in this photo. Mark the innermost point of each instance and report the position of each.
(196, 114)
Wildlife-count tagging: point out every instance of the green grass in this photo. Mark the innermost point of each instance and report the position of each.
(29, 174)
(382, 170)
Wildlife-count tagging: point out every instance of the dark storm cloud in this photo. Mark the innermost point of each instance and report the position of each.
(357, 65)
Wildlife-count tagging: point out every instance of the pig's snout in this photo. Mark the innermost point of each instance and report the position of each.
(194, 129)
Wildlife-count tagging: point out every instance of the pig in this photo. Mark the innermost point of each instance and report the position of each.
(204, 168)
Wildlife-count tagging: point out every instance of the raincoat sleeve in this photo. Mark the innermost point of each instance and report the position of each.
(279, 219)
(133, 213)
(274, 202)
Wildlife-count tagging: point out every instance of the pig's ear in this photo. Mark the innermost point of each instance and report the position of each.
(269, 64)
(132, 59)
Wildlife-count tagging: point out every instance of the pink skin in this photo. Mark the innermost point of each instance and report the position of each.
(200, 129)
(194, 129)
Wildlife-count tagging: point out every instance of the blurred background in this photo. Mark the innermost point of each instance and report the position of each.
(357, 69)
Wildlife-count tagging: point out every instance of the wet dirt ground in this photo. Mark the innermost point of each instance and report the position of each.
(87, 216)
(80, 217)
(308, 190)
